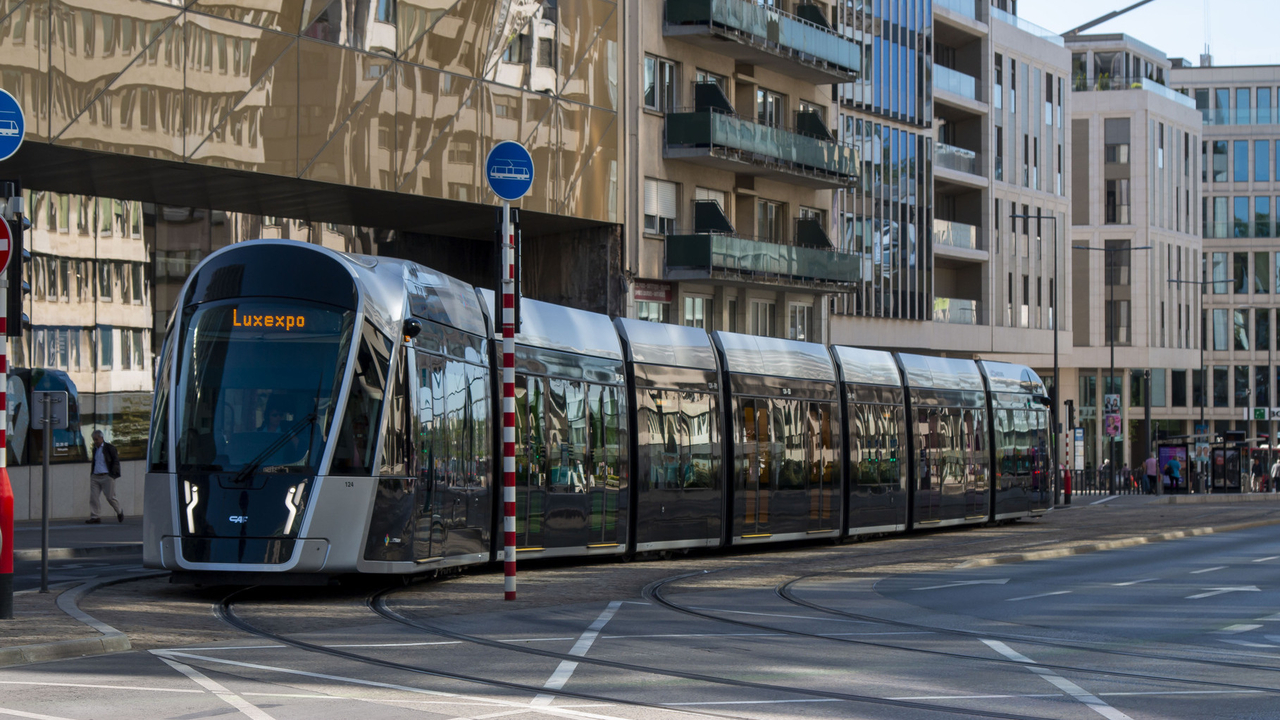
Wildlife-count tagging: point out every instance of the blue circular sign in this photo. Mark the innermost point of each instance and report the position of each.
(509, 169)
(12, 125)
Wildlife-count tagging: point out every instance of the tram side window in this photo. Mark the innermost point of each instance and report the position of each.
(159, 455)
(701, 443)
(875, 443)
(478, 378)
(353, 454)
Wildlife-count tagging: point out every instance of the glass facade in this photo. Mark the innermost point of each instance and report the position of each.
(887, 217)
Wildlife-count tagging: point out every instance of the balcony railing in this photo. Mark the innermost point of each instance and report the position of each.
(954, 81)
(956, 311)
(747, 141)
(1106, 82)
(690, 256)
(770, 30)
(956, 234)
(1028, 27)
(959, 159)
(966, 8)
(1241, 116)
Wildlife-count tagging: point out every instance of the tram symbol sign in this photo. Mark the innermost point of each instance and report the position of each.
(509, 170)
(13, 125)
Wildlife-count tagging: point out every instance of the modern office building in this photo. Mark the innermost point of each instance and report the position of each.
(160, 131)
(1240, 178)
(1135, 245)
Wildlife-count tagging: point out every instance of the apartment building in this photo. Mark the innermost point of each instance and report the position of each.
(733, 163)
(1135, 243)
(1240, 178)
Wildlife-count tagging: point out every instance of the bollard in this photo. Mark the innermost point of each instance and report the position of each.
(6, 545)
(1066, 487)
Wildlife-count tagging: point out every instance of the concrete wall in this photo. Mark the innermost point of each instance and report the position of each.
(69, 490)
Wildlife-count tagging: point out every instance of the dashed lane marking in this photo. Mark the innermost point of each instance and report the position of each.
(246, 708)
(1239, 628)
(1134, 582)
(1265, 559)
(1033, 597)
(1093, 702)
(1208, 570)
(579, 649)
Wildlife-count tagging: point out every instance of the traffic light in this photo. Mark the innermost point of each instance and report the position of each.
(19, 289)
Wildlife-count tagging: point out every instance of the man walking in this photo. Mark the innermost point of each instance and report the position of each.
(1152, 470)
(102, 479)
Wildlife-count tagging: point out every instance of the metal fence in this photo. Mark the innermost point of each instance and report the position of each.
(1193, 480)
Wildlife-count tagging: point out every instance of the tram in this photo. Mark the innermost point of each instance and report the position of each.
(319, 413)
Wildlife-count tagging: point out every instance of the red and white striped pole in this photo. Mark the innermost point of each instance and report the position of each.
(6, 490)
(508, 403)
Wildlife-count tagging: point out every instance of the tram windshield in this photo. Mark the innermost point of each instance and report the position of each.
(257, 385)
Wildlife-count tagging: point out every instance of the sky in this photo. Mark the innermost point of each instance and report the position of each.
(1241, 32)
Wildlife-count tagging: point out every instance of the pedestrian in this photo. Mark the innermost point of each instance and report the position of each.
(1151, 468)
(1275, 473)
(1175, 472)
(1124, 476)
(1258, 475)
(103, 473)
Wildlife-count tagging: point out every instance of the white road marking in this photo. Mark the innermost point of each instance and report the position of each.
(1223, 590)
(245, 707)
(458, 699)
(1001, 581)
(1270, 618)
(1246, 643)
(1033, 597)
(1104, 500)
(1093, 702)
(32, 716)
(1205, 570)
(779, 615)
(1134, 582)
(1239, 628)
(579, 649)
(1273, 557)
(101, 687)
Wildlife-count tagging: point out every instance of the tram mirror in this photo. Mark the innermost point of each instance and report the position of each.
(1043, 400)
(411, 329)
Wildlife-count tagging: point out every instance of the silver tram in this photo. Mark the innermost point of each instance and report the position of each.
(319, 413)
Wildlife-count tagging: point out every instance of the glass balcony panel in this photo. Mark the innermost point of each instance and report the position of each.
(1028, 27)
(956, 311)
(956, 234)
(707, 129)
(771, 26)
(959, 159)
(954, 81)
(703, 254)
(963, 7)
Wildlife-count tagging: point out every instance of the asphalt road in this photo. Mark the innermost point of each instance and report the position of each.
(26, 574)
(1185, 629)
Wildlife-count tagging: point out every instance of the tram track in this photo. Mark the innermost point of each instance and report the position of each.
(225, 611)
(785, 592)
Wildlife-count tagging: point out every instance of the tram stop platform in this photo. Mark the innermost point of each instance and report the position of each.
(74, 539)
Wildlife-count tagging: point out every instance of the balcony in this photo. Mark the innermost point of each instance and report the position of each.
(949, 233)
(732, 143)
(967, 8)
(950, 157)
(1028, 27)
(955, 82)
(717, 255)
(1106, 82)
(803, 48)
(1241, 116)
(956, 311)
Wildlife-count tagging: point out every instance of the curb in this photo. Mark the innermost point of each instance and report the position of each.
(1109, 545)
(33, 555)
(111, 641)
(1202, 498)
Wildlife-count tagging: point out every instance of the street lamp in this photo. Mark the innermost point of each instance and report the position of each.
(1204, 379)
(1111, 332)
(1057, 379)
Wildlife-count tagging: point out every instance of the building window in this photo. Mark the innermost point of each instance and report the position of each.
(660, 203)
(1220, 331)
(1240, 273)
(1262, 216)
(106, 347)
(386, 11)
(1219, 160)
(1261, 273)
(1117, 202)
(769, 219)
(770, 108)
(659, 84)
(653, 311)
(1240, 161)
(697, 312)
(1242, 386)
(1240, 329)
(1262, 328)
(1178, 394)
(1240, 217)
(999, 152)
(761, 321)
(1221, 387)
(546, 53)
(1118, 321)
(1262, 386)
(1262, 161)
(800, 322)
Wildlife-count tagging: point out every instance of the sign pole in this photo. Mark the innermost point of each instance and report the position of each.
(47, 410)
(508, 404)
(6, 490)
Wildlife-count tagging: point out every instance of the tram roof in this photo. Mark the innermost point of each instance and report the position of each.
(555, 327)
(667, 344)
(1007, 377)
(867, 367)
(776, 357)
(443, 299)
(925, 371)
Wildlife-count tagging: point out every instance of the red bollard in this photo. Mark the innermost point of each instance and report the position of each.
(6, 544)
(1066, 487)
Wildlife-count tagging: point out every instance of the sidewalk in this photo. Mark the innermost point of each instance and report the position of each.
(69, 540)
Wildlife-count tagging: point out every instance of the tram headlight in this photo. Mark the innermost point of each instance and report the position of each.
(293, 501)
(192, 495)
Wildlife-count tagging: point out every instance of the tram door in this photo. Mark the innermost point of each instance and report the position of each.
(603, 463)
(823, 470)
(434, 455)
(929, 469)
(754, 462)
(530, 462)
(977, 487)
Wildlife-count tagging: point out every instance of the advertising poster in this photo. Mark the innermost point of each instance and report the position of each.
(1078, 448)
(1168, 453)
(1111, 415)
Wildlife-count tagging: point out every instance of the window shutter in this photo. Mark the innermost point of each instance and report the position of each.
(666, 199)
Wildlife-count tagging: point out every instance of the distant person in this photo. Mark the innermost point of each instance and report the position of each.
(104, 471)
(1275, 474)
(1258, 476)
(1125, 476)
(272, 420)
(1175, 472)
(1151, 468)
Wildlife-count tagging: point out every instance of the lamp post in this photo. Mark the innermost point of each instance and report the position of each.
(1204, 379)
(1111, 335)
(1057, 379)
